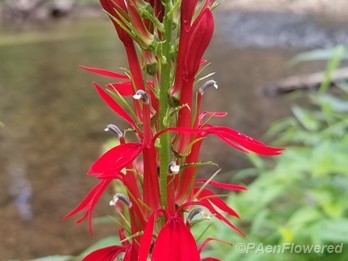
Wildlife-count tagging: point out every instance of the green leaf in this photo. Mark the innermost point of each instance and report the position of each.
(331, 66)
(256, 160)
(306, 118)
(259, 221)
(315, 55)
(280, 126)
(243, 174)
(303, 216)
(334, 230)
(335, 103)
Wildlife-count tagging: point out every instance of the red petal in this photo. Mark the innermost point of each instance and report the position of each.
(175, 242)
(89, 202)
(137, 20)
(146, 239)
(231, 137)
(123, 88)
(211, 114)
(210, 259)
(105, 72)
(210, 197)
(110, 7)
(187, 11)
(201, 33)
(105, 254)
(115, 159)
(221, 185)
(205, 242)
(244, 141)
(113, 105)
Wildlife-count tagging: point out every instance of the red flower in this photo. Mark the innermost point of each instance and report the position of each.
(175, 242)
(198, 40)
(109, 253)
(89, 202)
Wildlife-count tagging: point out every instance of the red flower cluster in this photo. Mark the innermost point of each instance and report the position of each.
(163, 194)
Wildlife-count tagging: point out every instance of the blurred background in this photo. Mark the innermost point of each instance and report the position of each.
(51, 120)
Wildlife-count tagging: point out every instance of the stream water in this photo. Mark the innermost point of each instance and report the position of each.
(54, 123)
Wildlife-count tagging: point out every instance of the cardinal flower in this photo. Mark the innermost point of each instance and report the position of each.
(157, 159)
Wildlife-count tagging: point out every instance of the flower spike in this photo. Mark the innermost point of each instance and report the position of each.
(164, 42)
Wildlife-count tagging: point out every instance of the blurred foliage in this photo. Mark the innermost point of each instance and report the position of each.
(302, 197)
(108, 241)
(319, 55)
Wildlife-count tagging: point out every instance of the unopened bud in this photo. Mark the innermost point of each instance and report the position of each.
(197, 211)
(208, 84)
(140, 94)
(114, 129)
(173, 168)
(123, 198)
(151, 68)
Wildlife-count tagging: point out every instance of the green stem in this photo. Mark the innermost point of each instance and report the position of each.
(164, 88)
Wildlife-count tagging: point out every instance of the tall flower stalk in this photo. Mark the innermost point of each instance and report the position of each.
(157, 96)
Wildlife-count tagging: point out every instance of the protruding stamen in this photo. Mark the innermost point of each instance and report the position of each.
(173, 168)
(140, 94)
(208, 84)
(114, 129)
(197, 211)
(123, 198)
